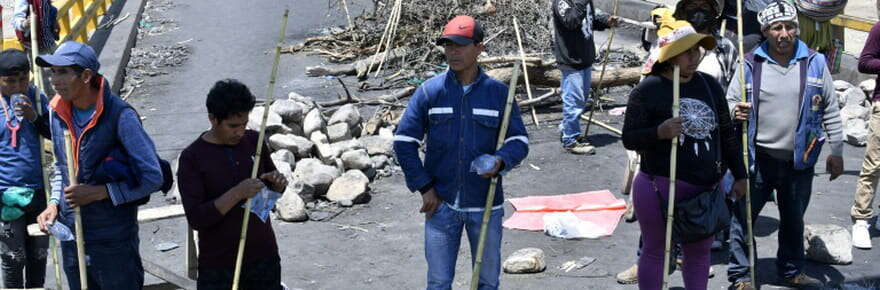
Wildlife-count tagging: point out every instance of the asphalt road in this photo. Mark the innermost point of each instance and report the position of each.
(233, 39)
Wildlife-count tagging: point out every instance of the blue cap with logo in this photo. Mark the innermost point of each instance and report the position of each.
(71, 53)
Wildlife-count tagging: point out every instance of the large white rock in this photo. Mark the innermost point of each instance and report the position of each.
(523, 261)
(338, 132)
(313, 121)
(380, 161)
(327, 153)
(378, 145)
(356, 159)
(300, 146)
(315, 173)
(274, 124)
(847, 94)
(307, 102)
(291, 112)
(868, 86)
(350, 186)
(283, 155)
(830, 244)
(348, 145)
(346, 114)
(291, 207)
(319, 137)
(856, 132)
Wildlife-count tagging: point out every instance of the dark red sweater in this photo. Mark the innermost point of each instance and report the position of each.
(869, 61)
(205, 172)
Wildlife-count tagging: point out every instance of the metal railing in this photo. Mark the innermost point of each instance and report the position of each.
(77, 20)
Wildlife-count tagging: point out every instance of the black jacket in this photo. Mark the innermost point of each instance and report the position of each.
(574, 22)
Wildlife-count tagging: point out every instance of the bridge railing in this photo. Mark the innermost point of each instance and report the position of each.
(78, 19)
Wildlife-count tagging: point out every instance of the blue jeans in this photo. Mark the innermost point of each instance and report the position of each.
(793, 190)
(443, 238)
(109, 265)
(575, 95)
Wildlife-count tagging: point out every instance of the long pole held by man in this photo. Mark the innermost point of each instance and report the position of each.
(80, 245)
(38, 82)
(270, 96)
(745, 143)
(490, 196)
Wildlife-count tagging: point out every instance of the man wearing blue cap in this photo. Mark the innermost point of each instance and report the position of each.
(24, 257)
(99, 123)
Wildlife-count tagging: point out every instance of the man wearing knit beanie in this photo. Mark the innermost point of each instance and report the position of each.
(784, 140)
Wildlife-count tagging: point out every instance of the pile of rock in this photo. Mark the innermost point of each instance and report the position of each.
(324, 157)
(329, 162)
(855, 110)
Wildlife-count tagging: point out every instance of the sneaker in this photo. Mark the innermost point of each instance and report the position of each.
(711, 272)
(630, 276)
(802, 280)
(580, 148)
(742, 285)
(860, 236)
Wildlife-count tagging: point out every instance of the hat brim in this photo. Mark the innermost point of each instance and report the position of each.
(457, 39)
(679, 46)
(54, 60)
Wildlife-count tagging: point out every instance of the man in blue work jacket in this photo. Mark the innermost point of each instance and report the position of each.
(461, 111)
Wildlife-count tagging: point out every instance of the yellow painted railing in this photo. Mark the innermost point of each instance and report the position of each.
(854, 23)
(78, 19)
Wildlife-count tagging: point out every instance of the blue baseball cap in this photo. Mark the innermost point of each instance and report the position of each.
(71, 53)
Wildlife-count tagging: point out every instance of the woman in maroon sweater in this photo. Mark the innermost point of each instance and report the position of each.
(862, 211)
(214, 181)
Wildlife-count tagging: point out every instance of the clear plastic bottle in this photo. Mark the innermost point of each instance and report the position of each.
(60, 232)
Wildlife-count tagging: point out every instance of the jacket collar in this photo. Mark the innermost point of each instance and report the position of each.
(800, 51)
(451, 77)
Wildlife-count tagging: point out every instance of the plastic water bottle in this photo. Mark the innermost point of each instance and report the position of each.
(484, 163)
(13, 102)
(60, 231)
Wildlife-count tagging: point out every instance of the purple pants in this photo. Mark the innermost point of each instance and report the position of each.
(695, 267)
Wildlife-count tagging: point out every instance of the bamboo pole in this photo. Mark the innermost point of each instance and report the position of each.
(745, 144)
(522, 54)
(602, 73)
(391, 35)
(72, 172)
(673, 153)
(270, 96)
(38, 83)
(382, 39)
(490, 196)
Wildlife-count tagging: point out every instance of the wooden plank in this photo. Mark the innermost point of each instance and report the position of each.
(160, 213)
(168, 275)
(144, 216)
(853, 22)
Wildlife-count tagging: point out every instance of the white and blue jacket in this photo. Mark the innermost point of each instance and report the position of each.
(460, 126)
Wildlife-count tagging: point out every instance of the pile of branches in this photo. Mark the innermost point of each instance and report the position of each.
(422, 21)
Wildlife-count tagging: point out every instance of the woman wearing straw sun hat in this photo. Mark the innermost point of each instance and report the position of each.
(707, 148)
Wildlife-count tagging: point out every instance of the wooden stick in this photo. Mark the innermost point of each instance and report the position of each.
(347, 15)
(603, 125)
(382, 39)
(673, 153)
(38, 83)
(602, 74)
(490, 196)
(745, 144)
(270, 96)
(522, 54)
(393, 33)
(72, 172)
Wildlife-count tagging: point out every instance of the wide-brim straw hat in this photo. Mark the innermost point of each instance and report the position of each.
(678, 36)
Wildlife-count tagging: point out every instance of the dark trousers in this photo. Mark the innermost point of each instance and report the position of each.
(24, 257)
(793, 189)
(264, 274)
(109, 265)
